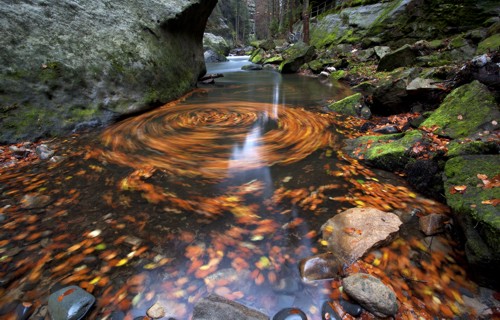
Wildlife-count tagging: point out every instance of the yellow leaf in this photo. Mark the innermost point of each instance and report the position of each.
(122, 262)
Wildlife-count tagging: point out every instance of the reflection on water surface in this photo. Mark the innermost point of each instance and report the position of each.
(224, 192)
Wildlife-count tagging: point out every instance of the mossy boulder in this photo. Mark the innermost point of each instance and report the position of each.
(389, 152)
(274, 60)
(257, 55)
(349, 105)
(296, 56)
(489, 44)
(473, 204)
(468, 147)
(464, 111)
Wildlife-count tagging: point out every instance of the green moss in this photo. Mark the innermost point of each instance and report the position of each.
(274, 60)
(337, 75)
(457, 42)
(456, 148)
(50, 71)
(321, 39)
(389, 152)
(436, 60)
(347, 105)
(463, 111)
(436, 44)
(489, 44)
(473, 202)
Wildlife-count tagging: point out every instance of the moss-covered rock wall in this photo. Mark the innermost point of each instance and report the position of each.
(84, 63)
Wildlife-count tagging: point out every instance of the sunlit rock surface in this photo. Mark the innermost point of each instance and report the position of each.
(89, 62)
(352, 233)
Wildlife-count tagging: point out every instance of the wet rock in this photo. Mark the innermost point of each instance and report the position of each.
(463, 111)
(214, 307)
(24, 310)
(19, 152)
(70, 303)
(290, 314)
(33, 201)
(156, 311)
(389, 129)
(402, 57)
(372, 294)
(56, 159)
(328, 313)
(252, 67)
(433, 223)
(321, 266)
(44, 152)
(353, 309)
(352, 233)
(365, 113)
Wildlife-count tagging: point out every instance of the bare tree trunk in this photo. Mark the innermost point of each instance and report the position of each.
(305, 20)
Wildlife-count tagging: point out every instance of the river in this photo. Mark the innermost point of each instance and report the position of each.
(223, 191)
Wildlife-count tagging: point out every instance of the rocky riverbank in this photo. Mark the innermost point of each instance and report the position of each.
(426, 102)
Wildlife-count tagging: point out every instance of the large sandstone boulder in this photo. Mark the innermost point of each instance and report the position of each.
(91, 61)
(354, 232)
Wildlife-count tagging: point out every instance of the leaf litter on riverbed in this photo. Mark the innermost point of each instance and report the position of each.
(426, 281)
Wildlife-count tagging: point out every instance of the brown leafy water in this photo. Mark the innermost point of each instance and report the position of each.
(223, 191)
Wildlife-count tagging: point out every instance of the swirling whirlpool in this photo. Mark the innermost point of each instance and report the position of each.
(211, 140)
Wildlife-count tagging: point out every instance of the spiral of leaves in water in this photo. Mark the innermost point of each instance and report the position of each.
(204, 139)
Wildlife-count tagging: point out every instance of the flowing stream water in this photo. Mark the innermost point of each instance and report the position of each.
(223, 191)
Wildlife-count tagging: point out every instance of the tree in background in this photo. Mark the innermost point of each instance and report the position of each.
(305, 20)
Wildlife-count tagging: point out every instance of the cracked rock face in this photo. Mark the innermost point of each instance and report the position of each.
(90, 61)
